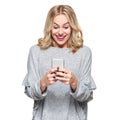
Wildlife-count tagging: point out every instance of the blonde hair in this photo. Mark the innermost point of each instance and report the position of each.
(76, 39)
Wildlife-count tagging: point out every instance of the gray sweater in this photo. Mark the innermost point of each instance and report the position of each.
(59, 102)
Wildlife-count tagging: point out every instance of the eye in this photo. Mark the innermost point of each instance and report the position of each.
(55, 27)
(66, 27)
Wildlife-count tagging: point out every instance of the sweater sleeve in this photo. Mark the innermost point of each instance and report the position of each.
(86, 85)
(32, 78)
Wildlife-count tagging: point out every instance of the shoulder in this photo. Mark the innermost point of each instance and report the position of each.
(85, 50)
(34, 50)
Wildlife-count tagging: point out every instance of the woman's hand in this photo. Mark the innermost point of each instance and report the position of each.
(67, 77)
(48, 79)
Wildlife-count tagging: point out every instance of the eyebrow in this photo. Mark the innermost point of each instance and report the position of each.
(63, 24)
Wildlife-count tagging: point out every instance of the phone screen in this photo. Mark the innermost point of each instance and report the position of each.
(57, 63)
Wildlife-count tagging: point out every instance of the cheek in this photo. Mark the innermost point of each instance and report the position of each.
(69, 32)
(53, 33)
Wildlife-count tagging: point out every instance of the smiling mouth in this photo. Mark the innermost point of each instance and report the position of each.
(60, 37)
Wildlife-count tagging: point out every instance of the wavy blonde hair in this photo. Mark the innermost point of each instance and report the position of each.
(76, 38)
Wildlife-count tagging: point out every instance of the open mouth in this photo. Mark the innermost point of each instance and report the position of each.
(61, 38)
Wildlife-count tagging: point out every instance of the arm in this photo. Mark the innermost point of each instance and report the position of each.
(85, 85)
(32, 79)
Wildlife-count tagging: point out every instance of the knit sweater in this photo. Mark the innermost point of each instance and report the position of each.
(59, 102)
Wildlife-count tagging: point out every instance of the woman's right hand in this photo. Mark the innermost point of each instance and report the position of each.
(48, 79)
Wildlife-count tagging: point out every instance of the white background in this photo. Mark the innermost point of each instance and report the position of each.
(21, 24)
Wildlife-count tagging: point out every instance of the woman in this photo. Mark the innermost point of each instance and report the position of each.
(60, 92)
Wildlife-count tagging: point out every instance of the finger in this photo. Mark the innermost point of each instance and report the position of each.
(53, 74)
(62, 79)
(53, 70)
(52, 82)
(57, 68)
(52, 79)
(63, 70)
(60, 74)
(67, 83)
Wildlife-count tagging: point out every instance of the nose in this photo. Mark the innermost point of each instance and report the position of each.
(60, 31)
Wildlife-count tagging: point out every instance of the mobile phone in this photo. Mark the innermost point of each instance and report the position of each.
(57, 62)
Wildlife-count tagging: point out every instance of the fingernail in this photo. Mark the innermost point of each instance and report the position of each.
(57, 68)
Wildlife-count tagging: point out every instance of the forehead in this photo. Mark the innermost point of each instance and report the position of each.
(60, 19)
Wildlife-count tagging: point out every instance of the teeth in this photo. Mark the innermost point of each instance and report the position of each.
(60, 37)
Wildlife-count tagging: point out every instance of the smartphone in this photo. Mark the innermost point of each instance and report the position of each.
(56, 62)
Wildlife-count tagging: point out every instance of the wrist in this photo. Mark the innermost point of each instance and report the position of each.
(74, 85)
(43, 86)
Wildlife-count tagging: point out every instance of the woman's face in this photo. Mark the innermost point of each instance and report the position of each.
(61, 31)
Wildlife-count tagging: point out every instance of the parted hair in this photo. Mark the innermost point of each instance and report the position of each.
(76, 39)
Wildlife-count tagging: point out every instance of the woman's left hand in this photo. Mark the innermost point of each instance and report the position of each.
(67, 77)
